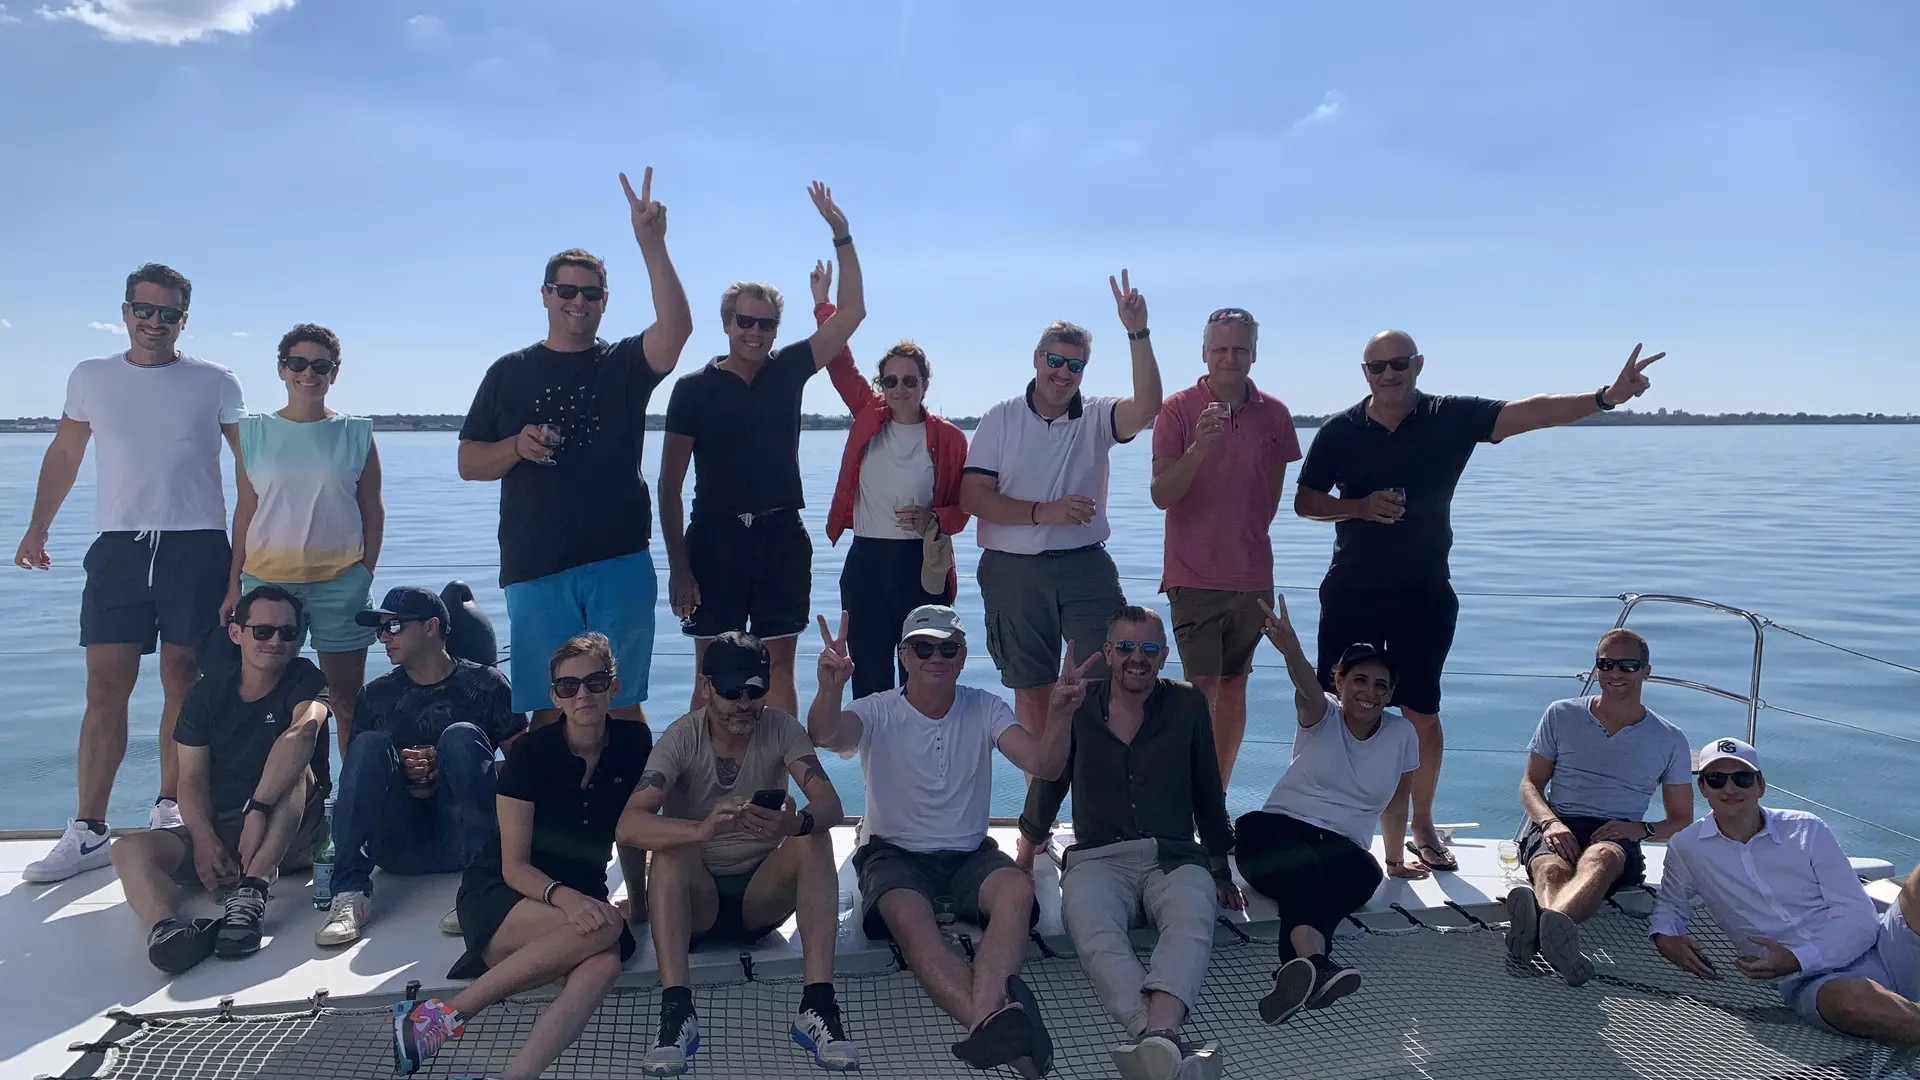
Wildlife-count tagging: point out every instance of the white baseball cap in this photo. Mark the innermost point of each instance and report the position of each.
(1728, 750)
(935, 621)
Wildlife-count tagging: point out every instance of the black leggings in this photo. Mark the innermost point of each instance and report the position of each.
(879, 586)
(1316, 877)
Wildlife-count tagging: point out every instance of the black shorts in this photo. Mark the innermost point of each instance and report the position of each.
(881, 867)
(483, 902)
(757, 576)
(1533, 841)
(1414, 624)
(226, 828)
(730, 922)
(164, 583)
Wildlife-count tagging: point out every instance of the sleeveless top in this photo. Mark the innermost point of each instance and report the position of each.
(307, 526)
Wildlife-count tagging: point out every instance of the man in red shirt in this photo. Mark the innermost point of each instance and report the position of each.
(1220, 454)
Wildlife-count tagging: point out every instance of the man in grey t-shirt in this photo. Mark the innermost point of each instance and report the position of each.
(1591, 771)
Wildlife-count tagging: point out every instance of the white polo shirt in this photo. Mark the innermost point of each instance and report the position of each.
(1040, 460)
(157, 436)
(929, 782)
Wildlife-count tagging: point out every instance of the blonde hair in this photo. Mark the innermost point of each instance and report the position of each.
(591, 644)
(759, 290)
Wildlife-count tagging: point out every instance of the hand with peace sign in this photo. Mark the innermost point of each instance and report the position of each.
(649, 217)
(822, 196)
(1633, 380)
(1070, 689)
(836, 666)
(1278, 628)
(820, 280)
(1133, 306)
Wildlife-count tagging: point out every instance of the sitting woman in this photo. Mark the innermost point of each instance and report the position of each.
(899, 490)
(533, 906)
(1307, 849)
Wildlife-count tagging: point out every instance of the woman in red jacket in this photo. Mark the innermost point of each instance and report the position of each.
(899, 482)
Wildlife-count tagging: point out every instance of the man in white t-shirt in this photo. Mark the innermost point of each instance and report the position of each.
(1036, 477)
(158, 569)
(926, 752)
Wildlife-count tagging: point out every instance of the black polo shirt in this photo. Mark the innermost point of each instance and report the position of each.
(573, 815)
(1426, 455)
(746, 435)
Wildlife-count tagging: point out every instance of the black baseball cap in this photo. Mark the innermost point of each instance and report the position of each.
(406, 602)
(1361, 650)
(736, 659)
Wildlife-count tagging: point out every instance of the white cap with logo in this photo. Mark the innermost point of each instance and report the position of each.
(1728, 750)
(935, 621)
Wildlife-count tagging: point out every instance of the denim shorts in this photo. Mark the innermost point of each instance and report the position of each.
(329, 607)
(613, 596)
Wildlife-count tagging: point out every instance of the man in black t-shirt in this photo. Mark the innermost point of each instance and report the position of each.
(745, 559)
(561, 425)
(253, 786)
(1396, 458)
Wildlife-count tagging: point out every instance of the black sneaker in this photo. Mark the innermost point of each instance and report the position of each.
(243, 924)
(174, 946)
(1332, 981)
(1292, 986)
(679, 1040)
(1042, 1057)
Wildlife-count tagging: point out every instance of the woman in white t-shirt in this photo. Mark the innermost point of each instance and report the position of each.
(1307, 850)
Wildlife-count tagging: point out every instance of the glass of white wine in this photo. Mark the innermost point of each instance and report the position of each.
(1509, 851)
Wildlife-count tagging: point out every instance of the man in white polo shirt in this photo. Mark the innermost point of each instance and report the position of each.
(1036, 477)
(158, 569)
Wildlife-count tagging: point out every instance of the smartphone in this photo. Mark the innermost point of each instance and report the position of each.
(770, 799)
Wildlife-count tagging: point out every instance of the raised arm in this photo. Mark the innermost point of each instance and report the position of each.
(834, 334)
(1553, 410)
(672, 319)
(855, 392)
(1135, 412)
(1309, 700)
(1045, 757)
(58, 470)
(830, 726)
(683, 593)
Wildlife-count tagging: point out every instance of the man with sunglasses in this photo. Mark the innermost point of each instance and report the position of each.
(1395, 459)
(1036, 478)
(1142, 770)
(253, 788)
(158, 416)
(562, 425)
(416, 783)
(1220, 453)
(1784, 893)
(1592, 769)
(744, 560)
(735, 883)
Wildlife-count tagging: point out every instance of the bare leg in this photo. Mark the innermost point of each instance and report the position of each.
(282, 827)
(534, 946)
(1865, 1008)
(945, 977)
(799, 878)
(1551, 875)
(1007, 898)
(1227, 698)
(178, 672)
(346, 673)
(1030, 708)
(1307, 941)
(684, 902)
(1579, 895)
(563, 1020)
(145, 863)
(111, 672)
(781, 695)
(1426, 779)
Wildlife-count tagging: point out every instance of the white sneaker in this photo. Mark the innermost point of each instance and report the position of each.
(450, 923)
(344, 920)
(79, 849)
(165, 815)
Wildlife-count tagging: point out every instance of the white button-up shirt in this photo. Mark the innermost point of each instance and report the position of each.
(1790, 883)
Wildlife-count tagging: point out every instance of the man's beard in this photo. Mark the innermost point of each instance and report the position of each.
(734, 724)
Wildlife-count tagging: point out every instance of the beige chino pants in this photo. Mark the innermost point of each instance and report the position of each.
(1106, 892)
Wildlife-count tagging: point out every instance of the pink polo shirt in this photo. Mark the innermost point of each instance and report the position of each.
(1216, 535)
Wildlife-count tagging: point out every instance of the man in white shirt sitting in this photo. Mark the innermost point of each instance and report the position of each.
(1779, 886)
(926, 752)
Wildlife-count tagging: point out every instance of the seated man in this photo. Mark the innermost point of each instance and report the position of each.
(1784, 893)
(739, 883)
(253, 788)
(1142, 769)
(926, 752)
(1592, 770)
(416, 787)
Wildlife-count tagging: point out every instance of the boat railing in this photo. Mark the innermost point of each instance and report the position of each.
(1751, 699)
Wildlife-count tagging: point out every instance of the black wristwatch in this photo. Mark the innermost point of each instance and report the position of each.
(843, 241)
(255, 805)
(1140, 334)
(806, 823)
(1648, 825)
(1600, 399)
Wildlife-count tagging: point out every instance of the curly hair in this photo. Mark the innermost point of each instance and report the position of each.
(313, 334)
(907, 348)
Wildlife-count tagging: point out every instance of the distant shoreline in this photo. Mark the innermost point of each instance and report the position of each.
(818, 422)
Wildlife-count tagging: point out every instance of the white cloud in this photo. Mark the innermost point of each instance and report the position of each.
(426, 30)
(4, 19)
(241, 333)
(166, 22)
(1322, 113)
(5, 325)
(111, 328)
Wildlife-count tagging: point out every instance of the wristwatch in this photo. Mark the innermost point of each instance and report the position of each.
(1139, 335)
(1600, 399)
(1648, 825)
(806, 823)
(253, 805)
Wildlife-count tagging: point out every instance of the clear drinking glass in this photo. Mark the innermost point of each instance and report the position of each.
(943, 912)
(551, 435)
(1509, 851)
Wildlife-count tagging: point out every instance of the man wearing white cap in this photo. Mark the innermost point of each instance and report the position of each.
(1779, 886)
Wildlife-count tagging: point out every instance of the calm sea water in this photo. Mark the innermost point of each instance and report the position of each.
(1806, 525)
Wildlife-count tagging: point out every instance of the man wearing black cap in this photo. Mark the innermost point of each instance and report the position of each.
(736, 882)
(416, 786)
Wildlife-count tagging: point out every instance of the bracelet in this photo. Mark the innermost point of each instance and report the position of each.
(843, 241)
(1034, 515)
(546, 895)
(1138, 335)
(256, 805)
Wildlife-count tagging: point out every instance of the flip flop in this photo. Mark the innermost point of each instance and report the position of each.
(1445, 864)
(997, 1040)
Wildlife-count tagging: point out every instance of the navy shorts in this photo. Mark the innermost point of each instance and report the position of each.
(154, 584)
(1414, 624)
(755, 576)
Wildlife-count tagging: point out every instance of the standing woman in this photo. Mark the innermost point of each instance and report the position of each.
(1307, 850)
(307, 515)
(899, 490)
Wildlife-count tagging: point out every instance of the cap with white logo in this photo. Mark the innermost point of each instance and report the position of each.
(1728, 750)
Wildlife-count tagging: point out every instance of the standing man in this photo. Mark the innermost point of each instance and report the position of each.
(561, 424)
(1220, 455)
(1395, 458)
(745, 558)
(1036, 477)
(159, 415)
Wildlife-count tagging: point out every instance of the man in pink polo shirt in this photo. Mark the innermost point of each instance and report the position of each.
(1220, 454)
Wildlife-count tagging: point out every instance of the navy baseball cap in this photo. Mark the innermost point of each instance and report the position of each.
(406, 602)
(737, 659)
(1362, 650)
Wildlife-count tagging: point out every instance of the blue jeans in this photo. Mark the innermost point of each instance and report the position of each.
(375, 820)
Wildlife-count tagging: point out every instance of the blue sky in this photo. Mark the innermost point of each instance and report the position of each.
(1529, 188)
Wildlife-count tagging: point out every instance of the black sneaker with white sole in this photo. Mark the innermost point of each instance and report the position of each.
(1293, 986)
(174, 946)
(244, 922)
(1332, 981)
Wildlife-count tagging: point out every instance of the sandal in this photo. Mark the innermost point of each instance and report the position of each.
(1446, 863)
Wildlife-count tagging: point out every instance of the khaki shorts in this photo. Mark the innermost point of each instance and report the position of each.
(227, 825)
(1217, 630)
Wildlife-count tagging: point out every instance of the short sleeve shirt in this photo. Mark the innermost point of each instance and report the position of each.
(156, 433)
(1341, 783)
(1608, 776)
(574, 815)
(1035, 459)
(592, 503)
(929, 782)
(415, 715)
(687, 765)
(1217, 533)
(239, 734)
(1426, 454)
(746, 435)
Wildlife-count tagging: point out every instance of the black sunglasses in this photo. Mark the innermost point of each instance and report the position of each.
(1628, 665)
(748, 322)
(1148, 649)
(750, 692)
(947, 649)
(394, 625)
(593, 293)
(1230, 314)
(297, 364)
(265, 631)
(568, 685)
(1745, 778)
(168, 315)
(1054, 359)
(911, 382)
(1398, 363)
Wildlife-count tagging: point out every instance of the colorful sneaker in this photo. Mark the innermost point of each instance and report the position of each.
(1332, 981)
(679, 1041)
(1292, 988)
(420, 1028)
(244, 922)
(165, 815)
(79, 849)
(344, 920)
(818, 1028)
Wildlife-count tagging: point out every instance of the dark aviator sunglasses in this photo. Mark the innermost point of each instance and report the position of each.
(748, 322)
(394, 625)
(266, 631)
(569, 685)
(593, 293)
(1629, 665)
(298, 364)
(1398, 363)
(925, 649)
(1054, 359)
(1148, 649)
(911, 382)
(168, 315)
(1745, 778)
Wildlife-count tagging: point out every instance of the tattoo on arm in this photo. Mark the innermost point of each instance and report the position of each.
(654, 778)
(726, 770)
(814, 770)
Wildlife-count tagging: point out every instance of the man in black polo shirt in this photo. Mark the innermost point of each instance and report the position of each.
(745, 558)
(1396, 458)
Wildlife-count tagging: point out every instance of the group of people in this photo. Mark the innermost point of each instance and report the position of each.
(711, 844)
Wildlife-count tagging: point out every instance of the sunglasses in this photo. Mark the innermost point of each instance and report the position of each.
(593, 293)
(947, 649)
(1398, 363)
(168, 315)
(748, 322)
(1629, 666)
(265, 631)
(297, 364)
(1745, 778)
(751, 693)
(1230, 314)
(1148, 649)
(393, 626)
(911, 382)
(1056, 360)
(568, 685)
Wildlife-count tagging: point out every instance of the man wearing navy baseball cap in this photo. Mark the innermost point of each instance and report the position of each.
(1781, 889)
